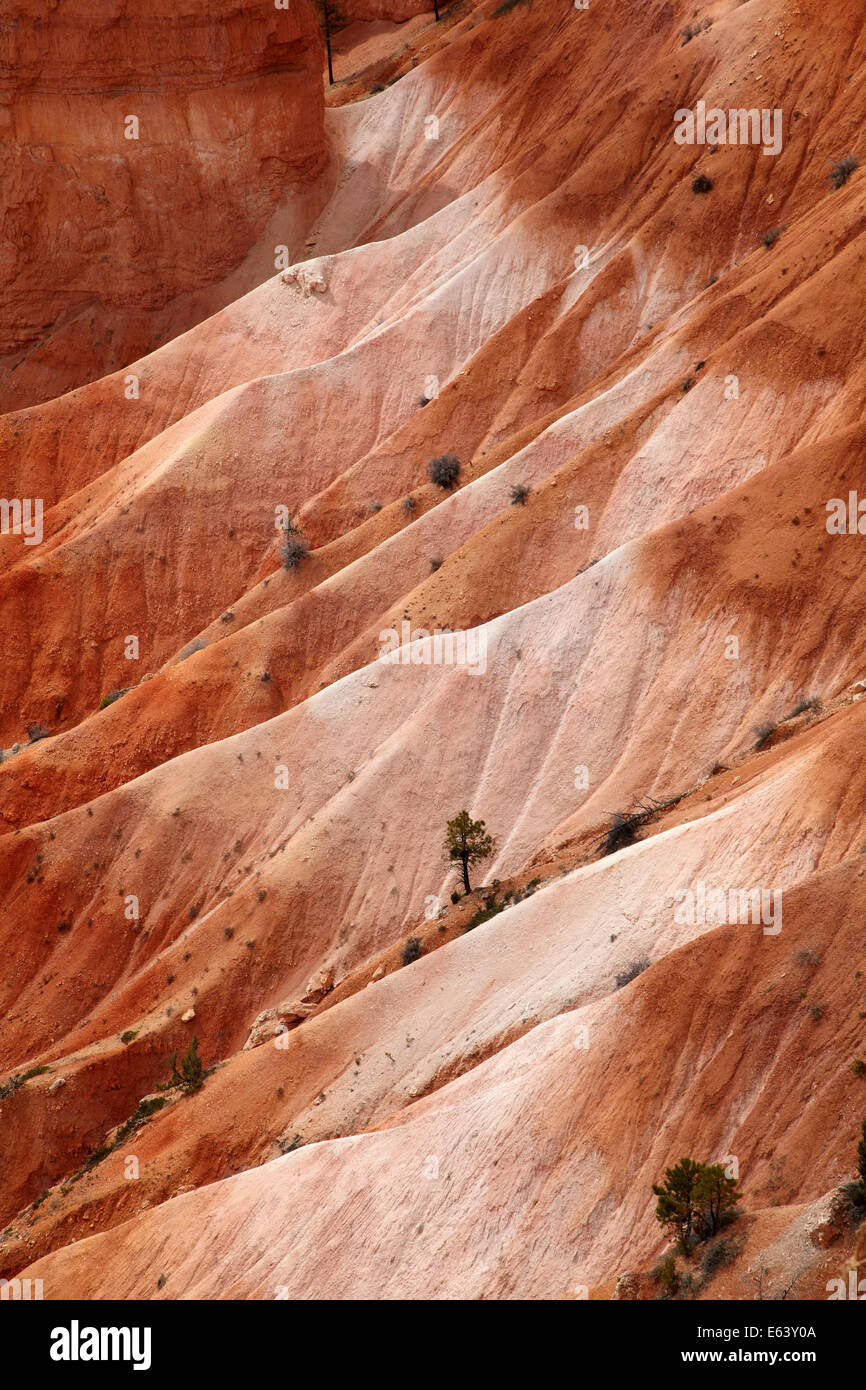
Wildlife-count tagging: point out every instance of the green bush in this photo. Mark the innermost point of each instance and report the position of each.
(411, 950)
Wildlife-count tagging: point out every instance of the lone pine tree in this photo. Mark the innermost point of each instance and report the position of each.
(467, 842)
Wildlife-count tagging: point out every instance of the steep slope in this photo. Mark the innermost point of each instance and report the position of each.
(124, 126)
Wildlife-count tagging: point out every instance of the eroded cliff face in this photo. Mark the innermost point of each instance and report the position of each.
(645, 357)
(143, 149)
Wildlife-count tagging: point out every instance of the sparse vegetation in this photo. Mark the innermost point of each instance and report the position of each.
(507, 6)
(444, 470)
(858, 1066)
(692, 31)
(721, 1253)
(295, 546)
(695, 1200)
(411, 950)
(189, 1077)
(37, 731)
(519, 495)
(771, 236)
(842, 170)
(129, 1036)
(702, 184)
(807, 956)
(113, 695)
(849, 1201)
(763, 732)
(666, 1275)
(631, 972)
(409, 504)
(861, 1164)
(467, 843)
(489, 908)
(435, 564)
(143, 1111)
(622, 826)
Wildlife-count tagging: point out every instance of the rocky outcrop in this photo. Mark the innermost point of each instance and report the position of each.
(143, 149)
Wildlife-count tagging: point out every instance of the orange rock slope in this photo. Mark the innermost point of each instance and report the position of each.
(223, 812)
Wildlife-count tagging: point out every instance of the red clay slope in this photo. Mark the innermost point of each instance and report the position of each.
(145, 149)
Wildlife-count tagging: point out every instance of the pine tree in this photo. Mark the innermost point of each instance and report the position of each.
(466, 842)
(190, 1077)
(676, 1199)
(716, 1196)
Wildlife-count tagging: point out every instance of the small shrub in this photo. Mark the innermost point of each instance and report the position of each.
(622, 827)
(771, 235)
(455, 897)
(848, 1205)
(33, 1071)
(519, 495)
(36, 732)
(444, 471)
(65, 925)
(376, 88)
(692, 31)
(411, 950)
(808, 956)
(129, 1036)
(189, 1077)
(409, 504)
(702, 184)
(293, 550)
(507, 6)
(842, 170)
(97, 1156)
(113, 695)
(763, 731)
(375, 505)
(812, 703)
(721, 1253)
(817, 1011)
(631, 972)
(436, 564)
(142, 1112)
(489, 908)
(666, 1275)
(858, 1066)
